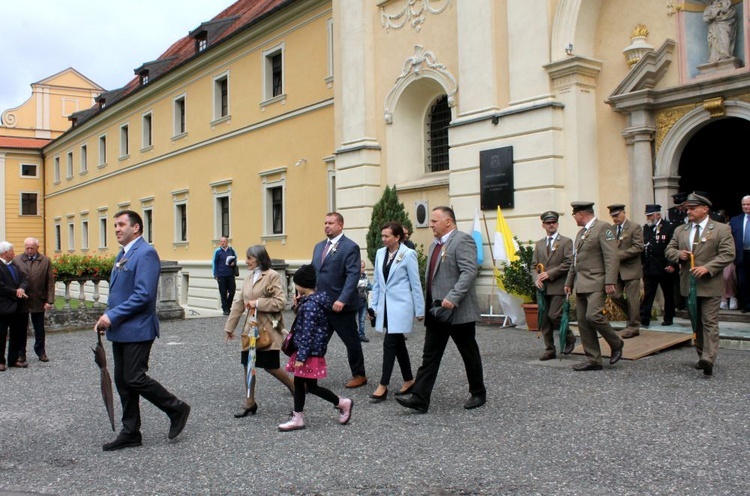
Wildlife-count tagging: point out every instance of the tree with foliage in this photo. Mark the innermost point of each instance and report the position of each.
(387, 209)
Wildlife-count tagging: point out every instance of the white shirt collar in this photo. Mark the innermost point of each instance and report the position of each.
(128, 246)
(445, 237)
(336, 239)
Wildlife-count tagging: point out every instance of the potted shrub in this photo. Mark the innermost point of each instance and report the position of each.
(517, 278)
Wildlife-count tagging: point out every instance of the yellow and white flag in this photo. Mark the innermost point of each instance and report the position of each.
(504, 251)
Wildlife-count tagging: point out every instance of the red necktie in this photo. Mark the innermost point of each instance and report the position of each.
(433, 263)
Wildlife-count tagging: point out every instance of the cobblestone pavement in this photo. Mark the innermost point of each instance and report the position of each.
(654, 426)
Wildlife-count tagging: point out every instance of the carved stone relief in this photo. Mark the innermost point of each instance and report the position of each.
(666, 119)
(422, 64)
(413, 13)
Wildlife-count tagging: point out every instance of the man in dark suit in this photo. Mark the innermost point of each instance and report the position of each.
(678, 213)
(12, 318)
(657, 270)
(132, 325)
(593, 276)
(627, 295)
(451, 272)
(337, 264)
(553, 255)
(703, 248)
(740, 225)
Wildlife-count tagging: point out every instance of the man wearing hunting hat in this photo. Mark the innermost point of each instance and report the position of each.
(553, 255)
(711, 247)
(627, 296)
(593, 275)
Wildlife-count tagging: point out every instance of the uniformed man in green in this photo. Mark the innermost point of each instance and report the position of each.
(627, 295)
(553, 255)
(593, 276)
(711, 246)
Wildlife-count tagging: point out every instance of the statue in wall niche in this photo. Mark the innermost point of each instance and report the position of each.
(722, 29)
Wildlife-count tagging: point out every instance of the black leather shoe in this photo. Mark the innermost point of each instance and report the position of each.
(178, 422)
(123, 441)
(364, 339)
(616, 355)
(247, 411)
(377, 398)
(475, 401)
(667, 323)
(569, 347)
(698, 365)
(581, 367)
(708, 367)
(413, 403)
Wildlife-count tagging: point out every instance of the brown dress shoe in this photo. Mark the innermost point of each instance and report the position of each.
(548, 355)
(356, 381)
(630, 333)
(43, 358)
(21, 364)
(2, 367)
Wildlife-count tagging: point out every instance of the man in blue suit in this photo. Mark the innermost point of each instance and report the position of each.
(740, 225)
(131, 324)
(337, 264)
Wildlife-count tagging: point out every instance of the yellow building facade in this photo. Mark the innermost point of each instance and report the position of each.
(24, 130)
(235, 141)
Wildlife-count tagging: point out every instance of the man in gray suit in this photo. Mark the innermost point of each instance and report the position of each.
(629, 249)
(594, 276)
(710, 245)
(450, 274)
(553, 255)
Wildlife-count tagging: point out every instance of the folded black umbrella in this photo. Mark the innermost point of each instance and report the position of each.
(100, 357)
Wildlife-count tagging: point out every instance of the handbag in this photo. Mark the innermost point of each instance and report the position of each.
(263, 340)
(236, 270)
(288, 345)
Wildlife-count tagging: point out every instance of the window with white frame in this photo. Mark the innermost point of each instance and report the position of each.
(29, 203)
(71, 234)
(147, 136)
(274, 202)
(181, 222)
(102, 150)
(29, 170)
(273, 72)
(58, 235)
(84, 234)
(84, 159)
(179, 116)
(124, 141)
(222, 216)
(69, 169)
(103, 225)
(148, 225)
(221, 96)
(56, 169)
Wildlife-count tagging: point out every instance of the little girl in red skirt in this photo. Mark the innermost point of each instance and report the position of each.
(309, 340)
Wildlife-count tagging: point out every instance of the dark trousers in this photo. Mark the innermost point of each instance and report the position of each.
(131, 364)
(227, 288)
(435, 341)
(743, 280)
(303, 386)
(650, 286)
(394, 347)
(37, 320)
(13, 327)
(345, 325)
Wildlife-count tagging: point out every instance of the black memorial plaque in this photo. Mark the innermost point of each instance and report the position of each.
(496, 178)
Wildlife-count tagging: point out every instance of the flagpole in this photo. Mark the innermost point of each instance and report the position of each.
(494, 278)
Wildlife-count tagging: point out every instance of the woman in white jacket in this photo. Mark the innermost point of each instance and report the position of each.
(397, 298)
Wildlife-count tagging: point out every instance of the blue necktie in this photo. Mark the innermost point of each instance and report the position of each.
(12, 272)
(746, 234)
